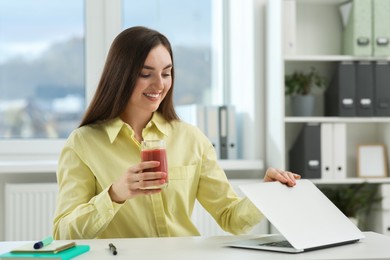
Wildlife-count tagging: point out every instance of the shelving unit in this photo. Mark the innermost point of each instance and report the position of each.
(337, 119)
(328, 58)
(352, 181)
(318, 42)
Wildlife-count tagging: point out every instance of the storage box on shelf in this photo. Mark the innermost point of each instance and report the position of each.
(317, 41)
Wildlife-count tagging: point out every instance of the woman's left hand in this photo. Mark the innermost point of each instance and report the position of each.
(284, 177)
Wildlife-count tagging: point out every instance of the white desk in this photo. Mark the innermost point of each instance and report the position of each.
(374, 246)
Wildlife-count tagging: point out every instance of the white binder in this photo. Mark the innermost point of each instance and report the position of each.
(333, 151)
(327, 167)
(340, 150)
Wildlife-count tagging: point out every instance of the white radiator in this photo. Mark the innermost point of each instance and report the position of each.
(29, 210)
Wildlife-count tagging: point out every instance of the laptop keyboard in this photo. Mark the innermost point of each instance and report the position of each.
(283, 243)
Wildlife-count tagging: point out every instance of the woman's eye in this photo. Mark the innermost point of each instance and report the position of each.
(144, 75)
(166, 73)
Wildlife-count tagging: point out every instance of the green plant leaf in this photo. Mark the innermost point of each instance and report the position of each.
(300, 83)
(353, 199)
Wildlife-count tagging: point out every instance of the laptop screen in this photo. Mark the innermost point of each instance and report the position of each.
(302, 214)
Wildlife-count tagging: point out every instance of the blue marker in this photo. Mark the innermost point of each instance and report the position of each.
(43, 243)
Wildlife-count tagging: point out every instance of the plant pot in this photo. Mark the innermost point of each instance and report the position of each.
(302, 105)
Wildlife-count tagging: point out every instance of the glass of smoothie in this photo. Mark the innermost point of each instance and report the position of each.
(154, 150)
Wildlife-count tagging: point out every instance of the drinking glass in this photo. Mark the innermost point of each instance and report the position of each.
(154, 150)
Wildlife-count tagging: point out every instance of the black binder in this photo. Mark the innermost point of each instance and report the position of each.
(305, 155)
(340, 96)
(223, 131)
(382, 88)
(364, 89)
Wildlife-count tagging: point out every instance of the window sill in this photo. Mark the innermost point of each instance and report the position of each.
(23, 167)
(50, 166)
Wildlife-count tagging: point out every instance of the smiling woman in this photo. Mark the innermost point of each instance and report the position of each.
(151, 87)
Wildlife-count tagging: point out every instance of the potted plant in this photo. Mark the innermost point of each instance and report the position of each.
(354, 200)
(299, 86)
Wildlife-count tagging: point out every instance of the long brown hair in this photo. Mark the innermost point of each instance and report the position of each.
(124, 63)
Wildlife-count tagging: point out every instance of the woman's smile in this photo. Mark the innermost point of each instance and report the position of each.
(152, 95)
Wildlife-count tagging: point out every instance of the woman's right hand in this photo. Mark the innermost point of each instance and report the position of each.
(135, 182)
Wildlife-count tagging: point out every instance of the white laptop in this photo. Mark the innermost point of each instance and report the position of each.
(304, 216)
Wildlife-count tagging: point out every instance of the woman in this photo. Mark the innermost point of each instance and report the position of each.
(101, 180)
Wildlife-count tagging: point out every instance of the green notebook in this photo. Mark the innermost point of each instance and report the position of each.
(54, 247)
(63, 255)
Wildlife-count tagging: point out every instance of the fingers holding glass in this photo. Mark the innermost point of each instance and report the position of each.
(150, 180)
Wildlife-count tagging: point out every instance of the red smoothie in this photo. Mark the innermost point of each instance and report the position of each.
(156, 155)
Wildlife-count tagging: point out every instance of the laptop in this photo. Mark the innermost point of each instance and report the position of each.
(305, 218)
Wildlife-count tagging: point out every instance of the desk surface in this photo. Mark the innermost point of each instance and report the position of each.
(374, 246)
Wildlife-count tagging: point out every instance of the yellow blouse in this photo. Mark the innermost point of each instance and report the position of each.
(94, 156)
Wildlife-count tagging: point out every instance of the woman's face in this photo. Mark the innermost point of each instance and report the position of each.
(153, 82)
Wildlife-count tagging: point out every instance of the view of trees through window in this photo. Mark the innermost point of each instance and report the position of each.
(41, 68)
(42, 61)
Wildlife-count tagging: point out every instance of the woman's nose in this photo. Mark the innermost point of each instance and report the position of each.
(159, 82)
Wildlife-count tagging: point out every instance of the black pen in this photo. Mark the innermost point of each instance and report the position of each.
(113, 249)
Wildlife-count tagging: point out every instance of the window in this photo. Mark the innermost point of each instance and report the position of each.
(189, 27)
(41, 68)
(52, 53)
